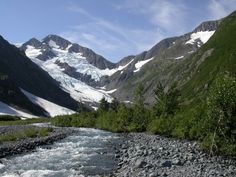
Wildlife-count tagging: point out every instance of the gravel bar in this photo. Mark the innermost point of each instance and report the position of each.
(144, 155)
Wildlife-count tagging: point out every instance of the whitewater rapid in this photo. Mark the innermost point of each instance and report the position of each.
(88, 152)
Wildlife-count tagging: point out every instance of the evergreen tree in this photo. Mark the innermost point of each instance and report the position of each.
(114, 104)
(81, 107)
(139, 117)
(160, 100)
(166, 102)
(139, 98)
(104, 105)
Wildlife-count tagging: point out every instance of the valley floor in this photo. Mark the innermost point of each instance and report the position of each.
(144, 155)
(138, 154)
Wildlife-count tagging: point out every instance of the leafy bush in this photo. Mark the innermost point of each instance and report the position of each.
(166, 102)
(161, 125)
(42, 132)
(221, 116)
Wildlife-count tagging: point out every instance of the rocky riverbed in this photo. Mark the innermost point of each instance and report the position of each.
(28, 144)
(138, 155)
(143, 155)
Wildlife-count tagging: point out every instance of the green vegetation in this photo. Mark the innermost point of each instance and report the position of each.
(13, 120)
(26, 133)
(112, 116)
(9, 118)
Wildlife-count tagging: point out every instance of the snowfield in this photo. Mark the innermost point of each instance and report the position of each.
(51, 108)
(32, 52)
(139, 64)
(8, 110)
(204, 36)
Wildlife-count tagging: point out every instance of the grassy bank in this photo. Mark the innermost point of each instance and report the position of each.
(6, 120)
(25, 133)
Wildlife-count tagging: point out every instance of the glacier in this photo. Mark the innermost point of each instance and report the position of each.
(77, 89)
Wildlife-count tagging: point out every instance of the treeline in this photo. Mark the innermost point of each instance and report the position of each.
(212, 120)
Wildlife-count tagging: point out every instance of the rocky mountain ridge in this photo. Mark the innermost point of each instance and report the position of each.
(88, 77)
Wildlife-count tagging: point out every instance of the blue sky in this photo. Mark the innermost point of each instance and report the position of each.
(112, 28)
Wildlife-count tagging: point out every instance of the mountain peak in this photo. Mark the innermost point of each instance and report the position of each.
(32, 42)
(56, 41)
(208, 26)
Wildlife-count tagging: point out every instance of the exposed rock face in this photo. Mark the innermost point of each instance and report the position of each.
(93, 58)
(32, 42)
(71, 71)
(59, 41)
(208, 26)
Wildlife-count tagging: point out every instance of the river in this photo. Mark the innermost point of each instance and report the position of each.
(88, 152)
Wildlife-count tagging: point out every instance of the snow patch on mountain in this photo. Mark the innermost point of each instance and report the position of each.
(109, 91)
(51, 108)
(204, 36)
(139, 64)
(109, 72)
(177, 58)
(53, 44)
(32, 52)
(8, 110)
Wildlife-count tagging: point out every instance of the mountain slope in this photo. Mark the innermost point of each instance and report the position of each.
(217, 56)
(19, 72)
(158, 63)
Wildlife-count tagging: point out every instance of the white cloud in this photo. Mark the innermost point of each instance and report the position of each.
(221, 8)
(166, 15)
(165, 18)
(108, 37)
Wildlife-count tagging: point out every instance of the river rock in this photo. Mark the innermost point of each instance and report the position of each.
(166, 163)
(140, 163)
(152, 155)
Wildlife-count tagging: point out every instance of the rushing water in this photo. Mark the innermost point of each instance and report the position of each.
(89, 152)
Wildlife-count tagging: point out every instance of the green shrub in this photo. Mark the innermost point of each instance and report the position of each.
(220, 122)
(161, 125)
(42, 132)
(31, 132)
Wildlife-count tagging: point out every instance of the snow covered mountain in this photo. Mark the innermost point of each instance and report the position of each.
(18, 73)
(77, 69)
(88, 77)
